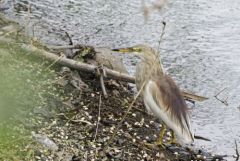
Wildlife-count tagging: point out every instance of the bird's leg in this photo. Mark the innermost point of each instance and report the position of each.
(173, 138)
(159, 142)
(161, 135)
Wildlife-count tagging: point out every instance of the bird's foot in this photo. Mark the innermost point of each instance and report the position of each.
(155, 145)
(173, 142)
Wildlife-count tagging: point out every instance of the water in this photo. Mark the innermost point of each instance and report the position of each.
(200, 50)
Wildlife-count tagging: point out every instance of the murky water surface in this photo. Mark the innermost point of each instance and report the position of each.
(201, 47)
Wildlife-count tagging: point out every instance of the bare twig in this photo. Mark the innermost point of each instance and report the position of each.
(103, 86)
(237, 152)
(222, 101)
(161, 36)
(69, 38)
(201, 138)
(99, 117)
(75, 121)
(192, 97)
(124, 117)
(220, 91)
(159, 43)
(102, 74)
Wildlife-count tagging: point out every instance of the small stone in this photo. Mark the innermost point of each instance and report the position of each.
(145, 155)
(137, 123)
(37, 157)
(198, 156)
(168, 133)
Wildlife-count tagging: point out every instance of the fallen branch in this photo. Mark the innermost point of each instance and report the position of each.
(92, 69)
(79, 65)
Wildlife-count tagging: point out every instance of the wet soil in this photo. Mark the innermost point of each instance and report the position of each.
(80, 121)
(86, 121)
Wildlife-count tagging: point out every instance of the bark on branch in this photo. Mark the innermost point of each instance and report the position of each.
(79, 65)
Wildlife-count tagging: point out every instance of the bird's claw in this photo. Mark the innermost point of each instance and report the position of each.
(154, 145)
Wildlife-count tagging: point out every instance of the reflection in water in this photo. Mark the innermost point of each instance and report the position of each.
(201, 48)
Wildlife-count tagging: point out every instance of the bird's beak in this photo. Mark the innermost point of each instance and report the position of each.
(123, 50)
(127, 50)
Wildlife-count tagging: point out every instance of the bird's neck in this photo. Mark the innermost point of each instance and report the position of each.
(154, 63)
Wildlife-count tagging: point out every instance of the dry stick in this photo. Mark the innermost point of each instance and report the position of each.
(237, 152)
(220, 91)
(99, 110)
(103, 86)
(79, 65)
(75, 121)
(102, 74)
(69, 38)
(124, 116)
(135, 98)
(222, 101)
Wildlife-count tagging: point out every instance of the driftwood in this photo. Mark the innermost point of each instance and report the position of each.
(92, 69)
(79, 65)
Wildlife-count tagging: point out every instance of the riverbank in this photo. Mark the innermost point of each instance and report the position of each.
(75, 117)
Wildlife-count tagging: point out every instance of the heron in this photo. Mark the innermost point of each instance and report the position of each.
(161, 95)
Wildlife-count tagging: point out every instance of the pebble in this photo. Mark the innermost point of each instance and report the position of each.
(145, 155)
(175, 153)
(198, 156)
